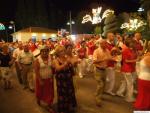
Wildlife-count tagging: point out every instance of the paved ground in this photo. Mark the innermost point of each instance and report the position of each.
(18, 100)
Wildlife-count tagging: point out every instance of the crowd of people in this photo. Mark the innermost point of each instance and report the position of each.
(39, 63)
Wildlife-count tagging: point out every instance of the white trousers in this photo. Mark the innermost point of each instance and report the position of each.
(110, 79)
(82, 67)
(90, 66)
(127, 85)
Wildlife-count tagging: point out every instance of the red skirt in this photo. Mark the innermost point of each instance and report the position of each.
(143, 98)
(45, 92)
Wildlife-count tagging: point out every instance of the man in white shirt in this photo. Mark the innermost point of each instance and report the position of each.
(25, 61)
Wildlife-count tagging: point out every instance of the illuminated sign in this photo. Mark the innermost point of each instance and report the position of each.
(2, 27)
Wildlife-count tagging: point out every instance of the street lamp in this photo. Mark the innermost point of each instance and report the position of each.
(10, 27)
(140, 9)
(70, 23)
(13, 26)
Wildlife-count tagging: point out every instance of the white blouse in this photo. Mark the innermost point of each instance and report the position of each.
(45, 69)
(144, 73)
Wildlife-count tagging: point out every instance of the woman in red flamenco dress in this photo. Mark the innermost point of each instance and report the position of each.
(44, 80)
(143, 97)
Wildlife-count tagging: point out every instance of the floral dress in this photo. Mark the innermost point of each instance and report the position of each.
(65, 90)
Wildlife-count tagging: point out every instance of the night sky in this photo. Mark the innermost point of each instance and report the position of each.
(8, 7)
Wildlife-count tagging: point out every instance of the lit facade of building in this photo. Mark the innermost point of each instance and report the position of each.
(34, 33)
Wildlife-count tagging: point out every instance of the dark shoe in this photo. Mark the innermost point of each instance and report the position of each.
(98, 105)
(31, 90)
(10, 87)
(73, 110)
(38, 102)
(5, 87)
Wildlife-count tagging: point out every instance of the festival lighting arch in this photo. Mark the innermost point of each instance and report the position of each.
(133, 25)
(97, 17)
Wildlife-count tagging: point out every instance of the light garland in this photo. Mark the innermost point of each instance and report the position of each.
(96, 16)
(133, 24)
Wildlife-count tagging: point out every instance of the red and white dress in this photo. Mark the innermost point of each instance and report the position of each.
(45, 92)
(143, 97)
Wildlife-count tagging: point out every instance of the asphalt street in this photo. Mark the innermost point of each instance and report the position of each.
(17, 100)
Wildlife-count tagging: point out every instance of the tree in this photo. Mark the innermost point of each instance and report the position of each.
(97, 30)
(134, 23)
(111, 25)
(146, 5)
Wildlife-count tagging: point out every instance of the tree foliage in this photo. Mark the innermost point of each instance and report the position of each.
(111, 25)
(97, 30)
(146, 5)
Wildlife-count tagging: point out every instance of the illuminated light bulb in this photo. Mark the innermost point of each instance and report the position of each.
(72, 22)
(73, 37)
(34, 34)
(68, 23)
(44, 35)
(53, 35)
(10, 27)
